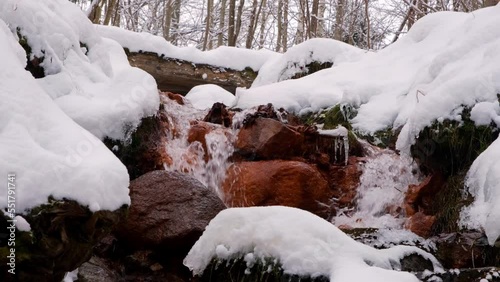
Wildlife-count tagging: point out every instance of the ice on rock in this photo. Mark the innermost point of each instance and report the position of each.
(302, 243)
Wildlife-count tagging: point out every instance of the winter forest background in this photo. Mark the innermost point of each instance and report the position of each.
(275, 25)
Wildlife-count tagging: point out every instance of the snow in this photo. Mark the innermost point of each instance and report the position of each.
(223, 56)
(94, 85)
(485, 112)
(303, 243)
(483, 182)
(447, 60)
(51, 154)
(204, 96)
(71, 276)
(296, 59)
(22, 224)
(340, 131)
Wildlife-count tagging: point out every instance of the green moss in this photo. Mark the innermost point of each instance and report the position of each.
(313, 67)
(451, 146)
(339, 115)
(448, 203)
(268, 270)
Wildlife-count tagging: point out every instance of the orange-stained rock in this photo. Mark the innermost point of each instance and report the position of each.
(420, 224)
(267, 139)
(173, 96)
(287, 183)
(419, 197)
(344, 181)
(197, 132)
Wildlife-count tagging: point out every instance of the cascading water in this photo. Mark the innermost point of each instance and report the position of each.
(189, 157)
(380, 195)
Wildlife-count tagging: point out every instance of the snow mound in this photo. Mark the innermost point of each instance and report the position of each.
(223, 56)
(303, 244)
(205, 96)
(48, 152)
(447, 60)
(88, 76)
(483, 182)
(296, 59)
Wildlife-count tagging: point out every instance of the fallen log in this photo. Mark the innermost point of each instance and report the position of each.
(179, 76)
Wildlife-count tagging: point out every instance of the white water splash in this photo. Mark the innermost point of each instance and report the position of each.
(381, 192)
(189, 157)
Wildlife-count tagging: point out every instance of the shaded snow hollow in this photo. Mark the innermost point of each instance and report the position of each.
(303, 244)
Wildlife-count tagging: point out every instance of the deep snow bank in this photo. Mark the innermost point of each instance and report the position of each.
(447, 60)
(298, 57)
(88, 76)
(226, 57)
(483, 181)
(303, 244)
(48, 152)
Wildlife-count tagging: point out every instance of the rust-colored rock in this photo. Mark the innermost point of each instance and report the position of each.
(169, 210)
(218, 114)
(420, 224)
(173, 96)
(269, 139)
(197, 132)
(419, 197)
(287, 183)
(344, 181)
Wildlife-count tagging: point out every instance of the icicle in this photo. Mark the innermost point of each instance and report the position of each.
(346, 149)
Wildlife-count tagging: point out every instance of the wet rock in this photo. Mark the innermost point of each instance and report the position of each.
(268, 139)
(145, 150)
(96, 270)
(287, 183)
(344, 181)
(197, 133)
(420, 224)
(420, 197)
(169, 210)
(263, 111)
(173, 96)
(63, 234)
(416, 263)
(490, 274)
(465, 250)
(218, 114)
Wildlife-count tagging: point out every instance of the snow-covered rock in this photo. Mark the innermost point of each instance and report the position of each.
(295, 60)
(204, 96)
(88, 76)
(48, 152)
(302, 243)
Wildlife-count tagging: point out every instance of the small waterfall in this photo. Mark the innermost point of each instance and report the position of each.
(383, 184)
(190, 158)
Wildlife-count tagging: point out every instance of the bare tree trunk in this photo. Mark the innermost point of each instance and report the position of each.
(284, 28)
(117, 15)
(367, 17)
(262, 36)
(251, 25)
(222, 21)
(488, 3)
(110, 11)
(176, 14)
(280, 25)
(167, 24)
(230, 32)
(208, 25)
(339, 19)
(238, 21)
(94, 13)
(314, 18)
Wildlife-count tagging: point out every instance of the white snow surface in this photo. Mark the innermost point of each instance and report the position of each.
(94, 85)
(22, 224)
(50, 154)
(303, 244)
(483, 182)
(296, 59)
(446, 60)
(205, 96)
(223, 56)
